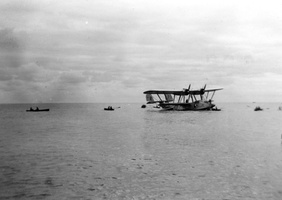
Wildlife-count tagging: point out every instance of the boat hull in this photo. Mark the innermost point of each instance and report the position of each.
(195, 106)
(41, 110)
(107, 109)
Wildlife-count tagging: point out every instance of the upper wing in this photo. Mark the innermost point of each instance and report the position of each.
(202, 91)
(211, 90)
(174, 92)
(181, 92)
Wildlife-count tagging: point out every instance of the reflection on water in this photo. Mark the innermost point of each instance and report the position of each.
(79, 151)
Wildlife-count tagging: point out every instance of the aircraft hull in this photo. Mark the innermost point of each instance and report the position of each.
(194, 106)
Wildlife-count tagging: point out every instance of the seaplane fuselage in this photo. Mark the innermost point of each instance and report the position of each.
(197, 105)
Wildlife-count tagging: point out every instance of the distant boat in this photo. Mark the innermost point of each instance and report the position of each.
(258, 108)
(109, 108)
(38, 110)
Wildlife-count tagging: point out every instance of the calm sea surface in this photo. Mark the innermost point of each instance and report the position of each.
(80, 151)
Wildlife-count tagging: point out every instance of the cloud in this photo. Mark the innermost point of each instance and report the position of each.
(11, 49)
(71, 78)
(79, 50)
(8, 41)
(101, 77)
(4, 76)
(17, 6)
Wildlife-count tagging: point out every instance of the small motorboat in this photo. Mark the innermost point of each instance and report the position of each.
(109, 108)
(258, 108)
(38, 110)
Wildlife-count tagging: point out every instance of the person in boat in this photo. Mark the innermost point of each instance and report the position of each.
(30, 108)
(37, 108)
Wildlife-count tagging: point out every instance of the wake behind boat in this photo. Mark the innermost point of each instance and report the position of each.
(183, 100)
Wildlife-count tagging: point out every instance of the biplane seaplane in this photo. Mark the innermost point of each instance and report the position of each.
(182, 100)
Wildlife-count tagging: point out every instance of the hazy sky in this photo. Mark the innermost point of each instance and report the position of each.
(102, 50)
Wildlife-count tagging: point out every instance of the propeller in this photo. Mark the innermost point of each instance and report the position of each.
(187, 90)
(189, 87)
(203, 89)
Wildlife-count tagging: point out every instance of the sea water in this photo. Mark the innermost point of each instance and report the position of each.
(80, 151)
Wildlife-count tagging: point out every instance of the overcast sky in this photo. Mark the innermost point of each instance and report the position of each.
(112, 51)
